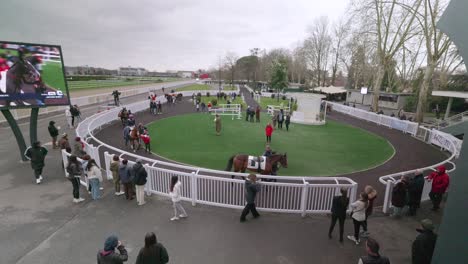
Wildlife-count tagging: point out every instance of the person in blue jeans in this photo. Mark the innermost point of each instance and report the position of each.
(94, 178)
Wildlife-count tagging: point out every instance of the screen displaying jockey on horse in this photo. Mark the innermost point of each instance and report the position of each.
(31, 75)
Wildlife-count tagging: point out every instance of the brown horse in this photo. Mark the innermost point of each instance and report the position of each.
(240, 162)
(134, 143)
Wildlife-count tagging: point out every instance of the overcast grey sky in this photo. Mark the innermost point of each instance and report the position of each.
(161, 35)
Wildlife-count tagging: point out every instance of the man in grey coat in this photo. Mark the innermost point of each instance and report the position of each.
(251, 190)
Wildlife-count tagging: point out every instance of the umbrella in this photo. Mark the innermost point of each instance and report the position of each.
(454, 23)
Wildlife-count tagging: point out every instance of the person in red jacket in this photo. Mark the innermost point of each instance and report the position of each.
(147, 140)
(268, 132)
(440, 182)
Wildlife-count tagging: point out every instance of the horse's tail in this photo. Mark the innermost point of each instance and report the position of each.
(230, 162)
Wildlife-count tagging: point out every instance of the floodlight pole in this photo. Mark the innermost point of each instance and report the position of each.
(33, 125)
(16, 131)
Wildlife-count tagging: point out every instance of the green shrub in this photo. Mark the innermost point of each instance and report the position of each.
(214, 102)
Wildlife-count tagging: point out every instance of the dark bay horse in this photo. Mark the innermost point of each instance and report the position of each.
(24, 83)
(240, 163)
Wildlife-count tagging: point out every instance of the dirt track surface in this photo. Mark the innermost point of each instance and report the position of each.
(410, 153)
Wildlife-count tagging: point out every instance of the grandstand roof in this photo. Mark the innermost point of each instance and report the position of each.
(454, 94)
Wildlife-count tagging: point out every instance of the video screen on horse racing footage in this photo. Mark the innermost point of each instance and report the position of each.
(31, 75)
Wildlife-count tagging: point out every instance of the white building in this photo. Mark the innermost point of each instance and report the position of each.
(185, 74)
(129, 71)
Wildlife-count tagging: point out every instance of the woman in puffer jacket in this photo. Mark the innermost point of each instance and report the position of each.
(175, 195)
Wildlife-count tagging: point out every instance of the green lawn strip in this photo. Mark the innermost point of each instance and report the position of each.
(229, 88)
(93, 84)
(327, 150)
(194, 87)
(238, 100)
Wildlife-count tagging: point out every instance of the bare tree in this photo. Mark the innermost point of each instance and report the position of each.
(392, 23)
(437, 44)
(317, 47)
(340, 34)
(230, 61)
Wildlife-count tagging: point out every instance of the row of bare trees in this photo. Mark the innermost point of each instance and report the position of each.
(385, 45)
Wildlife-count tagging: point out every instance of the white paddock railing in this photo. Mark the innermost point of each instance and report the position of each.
(445, 141)
(212, 187)
(302, 195)
(233, 110)
(272, 109)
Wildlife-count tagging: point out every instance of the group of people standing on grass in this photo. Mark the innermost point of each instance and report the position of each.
(251, 112)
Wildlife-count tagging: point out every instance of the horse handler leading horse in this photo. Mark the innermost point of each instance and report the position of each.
(241, 161)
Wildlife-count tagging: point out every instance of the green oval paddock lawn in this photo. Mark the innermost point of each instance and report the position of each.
(327, 150)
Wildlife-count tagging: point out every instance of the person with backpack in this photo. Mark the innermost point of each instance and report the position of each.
(36, 154)
(153, 252)
(74, 170)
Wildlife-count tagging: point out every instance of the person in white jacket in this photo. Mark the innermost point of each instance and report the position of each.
(175, 196)
(94, 178)
(68, 116)
(358, 214)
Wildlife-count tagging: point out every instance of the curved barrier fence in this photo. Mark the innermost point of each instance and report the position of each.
(212, 187)
(301, 195)
(443, 140)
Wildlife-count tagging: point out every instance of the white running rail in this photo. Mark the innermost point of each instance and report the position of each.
(431, 136)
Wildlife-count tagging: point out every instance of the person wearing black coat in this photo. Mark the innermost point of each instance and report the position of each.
(339, 205)
(153, 252)
(251, 190)
(423, 246)
(36, 154)
(53, 132)
(415, 189)
(139, 178)
(399, 196)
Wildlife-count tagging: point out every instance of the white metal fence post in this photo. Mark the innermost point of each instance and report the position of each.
(194, 187)
(305, 192)
(388, 190)
(353, 194)
(149, 179)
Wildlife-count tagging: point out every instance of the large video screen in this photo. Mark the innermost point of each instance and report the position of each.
(31, 75)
